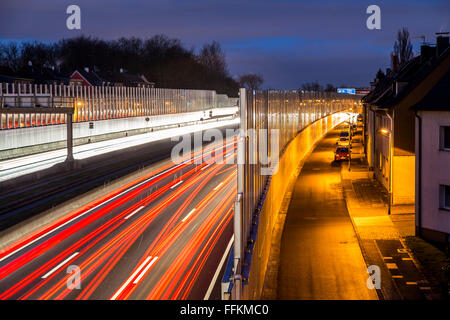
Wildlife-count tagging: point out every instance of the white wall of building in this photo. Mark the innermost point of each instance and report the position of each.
(435, 171)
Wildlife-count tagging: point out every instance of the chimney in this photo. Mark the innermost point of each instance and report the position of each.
(394, 63)
(441, 42)
(426, 52)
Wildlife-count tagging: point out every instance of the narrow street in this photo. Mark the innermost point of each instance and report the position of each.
(337, 225)
(320, 255)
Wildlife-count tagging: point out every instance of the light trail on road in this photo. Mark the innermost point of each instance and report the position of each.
(161, 236)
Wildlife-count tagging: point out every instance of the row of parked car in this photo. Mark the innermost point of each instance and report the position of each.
(344, 142)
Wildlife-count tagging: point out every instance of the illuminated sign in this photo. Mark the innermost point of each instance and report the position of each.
(346, 90)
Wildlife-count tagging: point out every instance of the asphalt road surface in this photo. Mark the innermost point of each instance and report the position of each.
(320, 256)
(160, 237)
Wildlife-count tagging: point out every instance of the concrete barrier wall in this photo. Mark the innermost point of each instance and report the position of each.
(296, 151)
(25, 137)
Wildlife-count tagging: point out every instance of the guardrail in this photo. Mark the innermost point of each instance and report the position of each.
(101, 103)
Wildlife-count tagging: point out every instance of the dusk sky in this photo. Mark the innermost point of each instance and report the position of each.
(289, 42)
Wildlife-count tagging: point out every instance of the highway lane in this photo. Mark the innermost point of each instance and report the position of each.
(156, 238)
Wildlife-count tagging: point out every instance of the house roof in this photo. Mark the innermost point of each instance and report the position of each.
(126, 78)
(438, 98)
(10, 79)
(384, 95)
(44, 76)
(92, 77)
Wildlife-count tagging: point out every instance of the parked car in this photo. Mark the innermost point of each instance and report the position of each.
(343, 141)
(344, 134)
(346, 126)
(342, 153)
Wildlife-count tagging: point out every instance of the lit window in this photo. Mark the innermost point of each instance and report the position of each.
(444, 197)
(445, 138)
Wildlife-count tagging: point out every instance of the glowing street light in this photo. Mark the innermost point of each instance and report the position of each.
(384, 131)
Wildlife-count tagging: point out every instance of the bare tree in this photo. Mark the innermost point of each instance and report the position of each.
(402, 47)
(330, 88)
(213, 58)
(251, 81)
(9, 55)
(312, 86)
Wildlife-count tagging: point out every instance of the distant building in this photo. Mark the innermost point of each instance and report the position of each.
(362, 91)
(433, 162)
(29, 75)
(88, 78)
(91, 78)
(15, 79)
(390, 124)
(130, 80)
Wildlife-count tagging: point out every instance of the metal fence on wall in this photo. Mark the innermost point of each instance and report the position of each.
(101, 103)
(284, 113)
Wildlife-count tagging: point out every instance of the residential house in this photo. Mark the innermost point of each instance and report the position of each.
(90, 78)
(433, 162)
(390, 122)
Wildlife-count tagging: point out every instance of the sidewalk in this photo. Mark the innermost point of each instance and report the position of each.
(381, 236)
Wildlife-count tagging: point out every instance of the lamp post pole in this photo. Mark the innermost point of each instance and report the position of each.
(390, 173)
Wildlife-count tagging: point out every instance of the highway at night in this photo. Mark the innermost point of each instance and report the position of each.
(162, 236)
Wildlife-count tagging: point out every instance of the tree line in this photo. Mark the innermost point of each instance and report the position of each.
(160, 59)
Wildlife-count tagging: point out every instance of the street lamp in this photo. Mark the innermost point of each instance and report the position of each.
(389, 133)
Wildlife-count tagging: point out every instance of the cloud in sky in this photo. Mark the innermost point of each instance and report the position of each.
(288, 41)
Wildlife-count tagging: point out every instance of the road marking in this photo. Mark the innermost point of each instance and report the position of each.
(425, 288)
(407, 259)
(184, 219)
(387, 258)
(100, 204)
(84, 213)
(176, 184)
(134, 212)
(130, 278)
(397, 277)
(59, 265)
(391, 266)
(97, 206)
(411, 283)
(205, 167)
(219, 268)
(145, 270)
(218, 186)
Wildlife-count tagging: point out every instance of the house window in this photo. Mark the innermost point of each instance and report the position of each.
(445, 138)
(444, 197)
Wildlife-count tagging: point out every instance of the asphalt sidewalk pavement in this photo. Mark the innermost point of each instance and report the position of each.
(381, 236)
